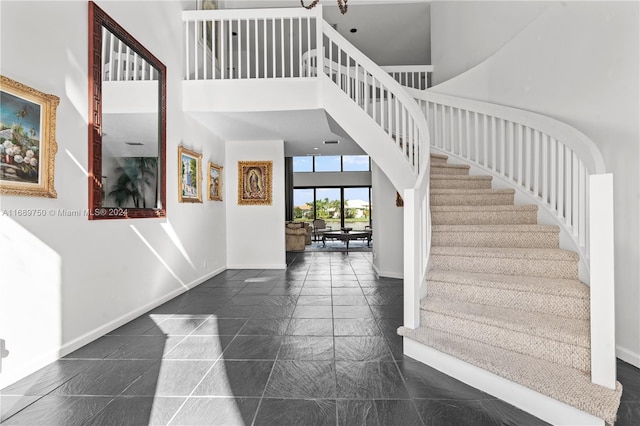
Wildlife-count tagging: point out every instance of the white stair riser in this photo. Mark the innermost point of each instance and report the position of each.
(508, 266)
(540, 347)
(490, 199)
(495, 239)
(525, 217)
(529, 301)
(460, 183)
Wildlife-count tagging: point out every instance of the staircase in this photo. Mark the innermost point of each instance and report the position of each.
(503, 296)
(505, 310)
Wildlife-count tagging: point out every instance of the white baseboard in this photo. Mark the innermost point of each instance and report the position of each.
(260, 266)
(10, 377)
(547, 409)
(112, 325)
(388, 274)
(628, 356)
(92, 335)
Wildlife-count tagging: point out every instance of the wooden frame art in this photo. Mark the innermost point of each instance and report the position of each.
(255, 183)
(27, 140)
(214, 182)
(189, 176)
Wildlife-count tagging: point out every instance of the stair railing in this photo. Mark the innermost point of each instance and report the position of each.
(386, 102)
(413, 76)
(561, 169)
(248, 43)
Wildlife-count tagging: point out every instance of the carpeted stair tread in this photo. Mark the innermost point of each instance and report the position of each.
(552, 229)
(453, 166)
(487, 208)
(439, 159)
(566, 330)
(438, 168)
(473, 191)
(544, 342)
(562, 383)
(541, 285)
(507, 253)
(461, 177)
(515, 295)
(536, 262)
(460, 181)
(471, 196)
(484, 215)
(515, 236)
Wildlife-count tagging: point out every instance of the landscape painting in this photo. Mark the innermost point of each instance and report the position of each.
(190, 176)
(215, 182)
(27, 140)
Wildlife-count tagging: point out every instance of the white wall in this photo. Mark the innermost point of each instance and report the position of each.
(66, 280)
(255, 239)
(388, 226)
(579, 63)
(481, 29)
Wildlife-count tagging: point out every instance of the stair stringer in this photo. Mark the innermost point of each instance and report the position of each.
(367, 134)
(545, 216)
(535, 403)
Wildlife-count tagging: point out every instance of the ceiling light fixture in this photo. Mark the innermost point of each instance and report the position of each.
(342, 4)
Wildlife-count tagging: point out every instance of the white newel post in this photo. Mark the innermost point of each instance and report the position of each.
(603, 344)
(411, 259)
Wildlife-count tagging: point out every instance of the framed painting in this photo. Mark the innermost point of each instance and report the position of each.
(27, 140)
(254, 183)
(215, 182)
(189, 176)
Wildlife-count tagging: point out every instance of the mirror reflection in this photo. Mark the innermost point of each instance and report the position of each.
(130, 127)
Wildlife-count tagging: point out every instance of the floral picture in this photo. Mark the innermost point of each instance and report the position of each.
(27, 140)
(190, 176)
(215, 182)
(254, 182)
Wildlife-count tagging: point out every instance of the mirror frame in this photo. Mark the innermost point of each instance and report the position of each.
(98, 19)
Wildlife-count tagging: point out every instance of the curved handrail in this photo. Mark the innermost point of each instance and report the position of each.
(548, 159)
(572, 137)
(378, 82)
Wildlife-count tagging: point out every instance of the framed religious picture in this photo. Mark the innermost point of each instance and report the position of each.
(27, 140)
(254, 183)
(215, 182)
(189, 176)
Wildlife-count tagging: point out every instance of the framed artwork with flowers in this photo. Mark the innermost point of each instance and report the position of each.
(27, 140)
(189, 176)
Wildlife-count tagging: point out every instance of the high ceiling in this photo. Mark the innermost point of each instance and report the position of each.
(389, 32)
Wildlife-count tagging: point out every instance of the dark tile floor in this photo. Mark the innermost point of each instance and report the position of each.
(313, 345)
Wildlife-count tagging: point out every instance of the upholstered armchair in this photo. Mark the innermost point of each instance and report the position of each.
(319, 227)
(295, 237)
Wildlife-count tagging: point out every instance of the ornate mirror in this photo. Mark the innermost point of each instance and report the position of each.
(127, 124)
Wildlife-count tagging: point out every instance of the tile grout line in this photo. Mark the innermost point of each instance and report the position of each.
(201, 379)
(264, 391)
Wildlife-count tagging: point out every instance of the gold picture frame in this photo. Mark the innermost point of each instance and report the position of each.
(255, 183)
(27, 163)
(189, 176)
(214, 182)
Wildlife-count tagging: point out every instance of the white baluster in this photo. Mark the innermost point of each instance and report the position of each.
(553, 149)
(545, 168)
